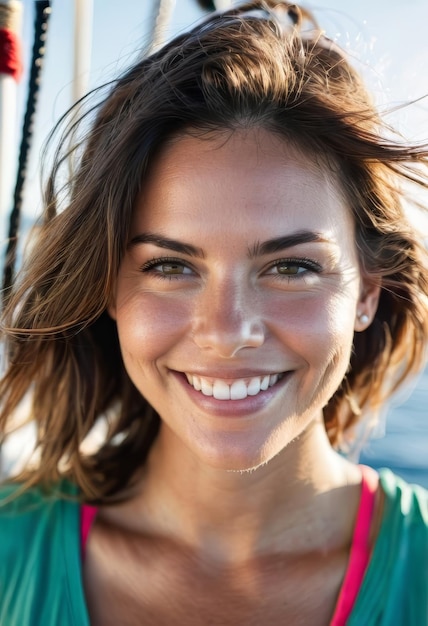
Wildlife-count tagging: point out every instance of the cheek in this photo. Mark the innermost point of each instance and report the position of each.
(149, 326)
(319, 335)
(319, 327)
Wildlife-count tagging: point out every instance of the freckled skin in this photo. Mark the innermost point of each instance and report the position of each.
(224, 195)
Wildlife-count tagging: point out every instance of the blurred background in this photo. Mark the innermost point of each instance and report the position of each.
(86, 43)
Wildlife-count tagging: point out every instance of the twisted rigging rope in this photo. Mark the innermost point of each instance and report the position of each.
(42, 12)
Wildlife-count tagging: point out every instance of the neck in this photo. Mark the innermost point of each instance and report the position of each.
(302, 500)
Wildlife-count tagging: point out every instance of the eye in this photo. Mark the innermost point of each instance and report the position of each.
(172, 268)
(289, 269)
(294, 268)
(166, 267)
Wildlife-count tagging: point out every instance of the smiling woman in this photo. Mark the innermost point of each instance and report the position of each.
(263, 264)
(233, 285)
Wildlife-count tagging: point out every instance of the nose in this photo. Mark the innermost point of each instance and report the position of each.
(227, 320)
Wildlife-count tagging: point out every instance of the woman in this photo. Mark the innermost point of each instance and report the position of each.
(230, 279)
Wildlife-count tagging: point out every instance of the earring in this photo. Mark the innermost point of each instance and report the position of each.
(364, 319)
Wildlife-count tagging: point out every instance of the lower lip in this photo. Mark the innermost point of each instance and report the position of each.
(232, 408)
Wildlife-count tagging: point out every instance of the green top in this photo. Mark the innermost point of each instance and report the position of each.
(40, 560)
(41, 573)
(394, 591)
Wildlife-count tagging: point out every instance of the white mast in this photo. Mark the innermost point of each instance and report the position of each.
(161, 17)
(83, 17)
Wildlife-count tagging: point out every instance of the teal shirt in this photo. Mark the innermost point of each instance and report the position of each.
(41, 573)
(394, 591)
(40, 561)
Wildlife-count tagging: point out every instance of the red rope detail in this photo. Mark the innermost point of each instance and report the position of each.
(10, 54)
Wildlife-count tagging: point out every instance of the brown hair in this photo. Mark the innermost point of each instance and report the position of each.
(253, 66)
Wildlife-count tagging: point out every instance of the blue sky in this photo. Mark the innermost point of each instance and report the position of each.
(387, 40)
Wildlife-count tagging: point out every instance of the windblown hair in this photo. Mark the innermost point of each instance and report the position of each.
(264, 65)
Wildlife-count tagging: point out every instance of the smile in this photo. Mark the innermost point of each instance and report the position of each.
(237, 390)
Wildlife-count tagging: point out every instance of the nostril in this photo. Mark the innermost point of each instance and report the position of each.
(228, 342)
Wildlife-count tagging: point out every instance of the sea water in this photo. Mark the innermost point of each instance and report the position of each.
(402, 444)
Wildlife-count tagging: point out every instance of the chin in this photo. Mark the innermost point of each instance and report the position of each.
(236, 457)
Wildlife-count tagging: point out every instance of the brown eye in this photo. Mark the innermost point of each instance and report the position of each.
(289, 269)
(172, 268)
(166, 268)
(294, 268)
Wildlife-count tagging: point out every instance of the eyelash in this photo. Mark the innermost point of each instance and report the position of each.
(307, 264)
(150, 266)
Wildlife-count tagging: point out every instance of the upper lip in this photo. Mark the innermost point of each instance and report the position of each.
(231, 374)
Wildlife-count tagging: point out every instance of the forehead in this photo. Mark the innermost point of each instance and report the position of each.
(247, 176)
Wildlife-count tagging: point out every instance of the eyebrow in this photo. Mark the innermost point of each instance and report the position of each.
(166, 242)
(258, 249)
(286, 241)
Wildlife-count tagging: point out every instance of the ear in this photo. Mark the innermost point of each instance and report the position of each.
(367, 303)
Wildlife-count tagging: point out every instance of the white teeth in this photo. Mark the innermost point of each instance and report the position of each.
(206, 387)
(238, 390)
(265, 383)
(221, 390)
(273, 378)
(254, 387)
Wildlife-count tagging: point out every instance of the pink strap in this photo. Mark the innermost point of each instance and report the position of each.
(360, 549)
(88, 514)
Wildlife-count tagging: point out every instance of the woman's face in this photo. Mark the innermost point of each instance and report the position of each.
(238, 295)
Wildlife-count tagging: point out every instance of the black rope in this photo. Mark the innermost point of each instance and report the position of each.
(42, 12)
(208, 5)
